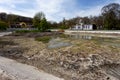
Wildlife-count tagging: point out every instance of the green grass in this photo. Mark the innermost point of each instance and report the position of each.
(26, 31)
(44, 39)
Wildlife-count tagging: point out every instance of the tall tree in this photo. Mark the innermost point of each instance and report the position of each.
(97, 20)
(86, 20)
(3, 25)
(43, 25)
(63, 26)
(111, 15)
(37, 18)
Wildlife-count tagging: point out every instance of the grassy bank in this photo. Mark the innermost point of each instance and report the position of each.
(26, 31)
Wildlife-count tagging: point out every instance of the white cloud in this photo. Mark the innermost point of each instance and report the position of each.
(9, 5)
(117, 1)
(95, 10)
(12, 1)
(54, 9)
(49, 6)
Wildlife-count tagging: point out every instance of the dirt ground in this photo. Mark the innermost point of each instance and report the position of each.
(13, 70)
(87, 60)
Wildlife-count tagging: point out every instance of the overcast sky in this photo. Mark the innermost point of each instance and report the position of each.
(54, 10)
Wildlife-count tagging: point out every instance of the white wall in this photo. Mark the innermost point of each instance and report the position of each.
(84, 27)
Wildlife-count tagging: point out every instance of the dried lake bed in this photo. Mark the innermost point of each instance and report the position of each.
(72, 56)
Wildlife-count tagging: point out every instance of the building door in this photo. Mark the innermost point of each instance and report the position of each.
(94, 27)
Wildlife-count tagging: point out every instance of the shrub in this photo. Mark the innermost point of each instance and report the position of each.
(3, 25)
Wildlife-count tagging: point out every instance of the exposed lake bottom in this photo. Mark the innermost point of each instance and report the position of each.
(72, 56)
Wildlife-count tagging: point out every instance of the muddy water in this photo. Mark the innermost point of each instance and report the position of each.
(111, 40)
(57, 43)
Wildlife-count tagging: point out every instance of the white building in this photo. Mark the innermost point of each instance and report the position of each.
(82, 26)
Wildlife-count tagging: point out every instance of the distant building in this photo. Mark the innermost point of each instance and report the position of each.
(16, 21)
(82, 26)
(21, 25)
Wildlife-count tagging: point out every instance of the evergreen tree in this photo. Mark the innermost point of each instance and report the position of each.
(43, 26)
(37, 19)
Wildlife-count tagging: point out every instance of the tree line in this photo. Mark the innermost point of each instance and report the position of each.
(109, 19)
(7, 20)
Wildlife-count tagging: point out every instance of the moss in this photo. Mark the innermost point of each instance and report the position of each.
(44, 39)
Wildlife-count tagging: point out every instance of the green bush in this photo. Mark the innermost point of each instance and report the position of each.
(44, 39)
(3, 25)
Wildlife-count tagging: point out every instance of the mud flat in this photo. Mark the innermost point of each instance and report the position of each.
(13, 70)
(16, 71)
(83, 60)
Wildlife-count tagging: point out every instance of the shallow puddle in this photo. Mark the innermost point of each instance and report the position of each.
(58, 42)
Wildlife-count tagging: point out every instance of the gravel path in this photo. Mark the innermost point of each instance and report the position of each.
(18, 71)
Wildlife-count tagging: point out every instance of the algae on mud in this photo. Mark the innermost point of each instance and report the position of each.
(44, 39)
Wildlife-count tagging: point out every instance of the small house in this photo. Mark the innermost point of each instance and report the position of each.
(82, 26)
